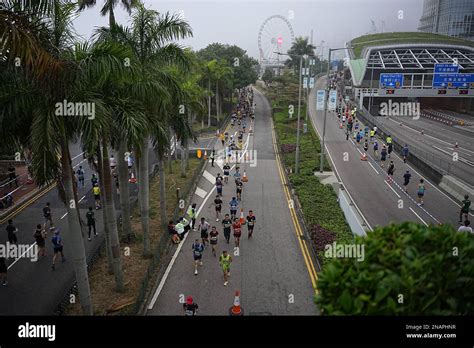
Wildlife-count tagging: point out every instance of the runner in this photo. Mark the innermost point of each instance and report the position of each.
(390, 170)
(218, 204)
(466, 227)
(112, 162)
(405, 153)
(91, 223)
(213, 154)
(234, 204)
(204, 228)
(372, 134)
(466, 204)
(48, 216)
(198, 249)
(3, 271)
(406, 180)
(238, 190)
(376, 149)
(191, 212)
(94, 180)
(213, 240)
(80, 175)
(58, 247)
(39, 237)
(366, 145)
(190, 308)
(358, 137)
(237, 174)
(250, 223)
(226, 169)
(11, 232)
(225, 260)
(219, 185)
(389, 145)
(96, 193)
(421, 191)
(237, 226)
(222, 138)
(383, 156)
(227, 224)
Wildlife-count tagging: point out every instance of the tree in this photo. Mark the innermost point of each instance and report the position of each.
(267, 76)
(300, 47)
(108, 7)
(408, 269)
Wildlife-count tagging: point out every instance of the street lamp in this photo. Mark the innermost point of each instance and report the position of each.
(297, 154)
(326, 104)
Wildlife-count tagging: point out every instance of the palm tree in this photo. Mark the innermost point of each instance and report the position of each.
(108, 7)
(300, 47)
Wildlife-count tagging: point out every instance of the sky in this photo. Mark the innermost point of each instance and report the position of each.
(239, 22)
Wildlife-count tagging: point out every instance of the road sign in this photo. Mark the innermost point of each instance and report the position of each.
(446, 68)
(311, 82)
(391, 80)
(332, 99)
(346, 98)
(305, 82)
(453, 80)
(320, 96)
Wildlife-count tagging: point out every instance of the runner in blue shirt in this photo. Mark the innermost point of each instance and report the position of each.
(198, 249)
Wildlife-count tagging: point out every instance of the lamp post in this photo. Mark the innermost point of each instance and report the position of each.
(321, 160)
(297, 154)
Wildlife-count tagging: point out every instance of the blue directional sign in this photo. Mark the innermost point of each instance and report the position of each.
(453, 81)
(391, 80)
(446, 69)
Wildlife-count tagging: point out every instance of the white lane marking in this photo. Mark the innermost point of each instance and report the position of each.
(391, 188)
(425, 135)
(77, 165)
(19, 257)
(461, 159)
(62, 217)
(82, 198)
(178, 249)
(211, 178)
(373, 167)
(72, 159)
(418, 216)
(200, 192)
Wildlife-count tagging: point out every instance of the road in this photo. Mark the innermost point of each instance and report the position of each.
(379, 201)
(269, 270)
(33, 288)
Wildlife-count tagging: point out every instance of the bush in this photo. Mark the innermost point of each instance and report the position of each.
(431, 267)
(287, 148)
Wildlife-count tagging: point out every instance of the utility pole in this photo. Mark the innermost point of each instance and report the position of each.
(297, 155)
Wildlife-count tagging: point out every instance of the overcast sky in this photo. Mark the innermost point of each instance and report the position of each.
(238, 22)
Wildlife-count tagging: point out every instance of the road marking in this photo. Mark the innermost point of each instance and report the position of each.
(200, 192)
(461, 159)
(211, 178)
(178, 249)
(72, 159)
(373, 167)
(391, 188)
(418, 216)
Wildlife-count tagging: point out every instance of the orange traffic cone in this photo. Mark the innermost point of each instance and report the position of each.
(363, 157)
(205, 155)
(236, 310)
(340, 125)
(242, 219)
(199, 153)
(132, 179)
(244, 177)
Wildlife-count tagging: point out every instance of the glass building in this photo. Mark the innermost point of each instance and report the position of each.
(448, 17)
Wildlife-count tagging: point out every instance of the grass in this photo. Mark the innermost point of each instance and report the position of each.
(135, 265)
(319, 202)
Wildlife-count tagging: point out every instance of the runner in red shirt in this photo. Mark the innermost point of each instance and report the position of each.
(237, 231)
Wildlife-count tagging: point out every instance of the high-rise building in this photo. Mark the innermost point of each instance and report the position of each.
(448, 17)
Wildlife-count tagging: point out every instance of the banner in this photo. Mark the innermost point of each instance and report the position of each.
(320, 96)
(332, 100)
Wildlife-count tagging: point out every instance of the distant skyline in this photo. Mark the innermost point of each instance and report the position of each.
(238, 22)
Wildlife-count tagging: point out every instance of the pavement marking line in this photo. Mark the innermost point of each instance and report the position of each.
(211, 178)
(19, 257)
(391, 188)
(200, 192)
(418, 216)
(461, 159)
(373, 167)
(62, 217)
(82, 198)
(298, 231)
(72, 159)
(178, 249)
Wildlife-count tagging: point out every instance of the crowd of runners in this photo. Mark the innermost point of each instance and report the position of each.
(230, 218)
(369, 140)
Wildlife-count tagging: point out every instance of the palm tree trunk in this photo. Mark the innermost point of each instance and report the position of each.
(124, 191)
(108, 249)
(163, 212)
(77, 239)
(209, 104)
(217, 100)
(169, 157)
(187, 156)
(144, 194)
(109, 205)
(183, 159)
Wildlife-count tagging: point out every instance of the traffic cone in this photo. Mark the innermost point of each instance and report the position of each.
(132, 180)
(456, 145)
(340, 125)
(250, 128)
(236, 310)
(363, 157)
(244, 178)
(242, 219)
(205, 154)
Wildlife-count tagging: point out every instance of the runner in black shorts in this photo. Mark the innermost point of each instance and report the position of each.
(204, 228)
(226, 169)
(227, 224)
(218, 204)
(250, 223)
(213, 241)
(390, 170)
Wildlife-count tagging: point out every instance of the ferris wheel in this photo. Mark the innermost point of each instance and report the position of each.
(275, 35)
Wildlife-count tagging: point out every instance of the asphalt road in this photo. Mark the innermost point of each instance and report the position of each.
(366, 182)
(269, 270)
(33, 288)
